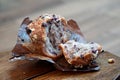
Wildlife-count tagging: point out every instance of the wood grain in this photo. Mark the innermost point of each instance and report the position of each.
(41, 70)
(99, 20)
(20, 70)
(107, 72)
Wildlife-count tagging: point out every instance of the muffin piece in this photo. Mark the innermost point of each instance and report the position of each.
(40, 38)
(80, 54)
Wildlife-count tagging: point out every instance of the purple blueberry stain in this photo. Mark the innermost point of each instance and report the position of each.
(74, 46)
(56, 25)
(94, 51)
(92, 47)
(22, 40)
(28, 30)
(49, 22)
(54, 53)
(91, 42)
(55, 18)
(61, 34)
(102, 51)
(58, 21)
(44, 24)
(42, 17)
(65, 46)
(53, 15)
(81, 56)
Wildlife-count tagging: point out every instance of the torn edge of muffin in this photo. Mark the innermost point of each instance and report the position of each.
(80, 54)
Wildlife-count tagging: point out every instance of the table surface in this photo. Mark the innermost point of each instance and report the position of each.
(42, 70)
(99, 21)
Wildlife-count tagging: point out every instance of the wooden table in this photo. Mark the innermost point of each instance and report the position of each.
(42, 70)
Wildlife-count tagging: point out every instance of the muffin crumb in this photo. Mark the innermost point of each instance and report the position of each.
(111, 60)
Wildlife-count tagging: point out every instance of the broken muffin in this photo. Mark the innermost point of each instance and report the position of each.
(80, 54)
(50, 37)
(40, 38)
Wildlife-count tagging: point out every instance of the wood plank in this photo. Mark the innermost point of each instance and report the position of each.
(107, 72)
(28, 69)
(100, 18)
(20, 70)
